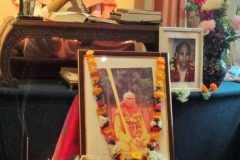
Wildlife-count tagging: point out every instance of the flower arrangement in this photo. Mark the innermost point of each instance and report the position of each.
(206, 92)
(219, 31)
(183, 93)
(106, 128)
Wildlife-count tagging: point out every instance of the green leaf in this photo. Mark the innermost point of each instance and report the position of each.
(206, 96)
(238, 10)
(189, 7)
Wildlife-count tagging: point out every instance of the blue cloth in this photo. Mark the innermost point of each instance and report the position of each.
(44, 104)
(208, 129)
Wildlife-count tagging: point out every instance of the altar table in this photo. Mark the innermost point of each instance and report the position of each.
(203, 129)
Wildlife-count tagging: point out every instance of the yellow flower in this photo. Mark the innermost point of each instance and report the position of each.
(91, 70)
(159, 84)
(89, 53)
(158, 94)
(212, 5)
(160, 60)
(162, 67)
(136, 154)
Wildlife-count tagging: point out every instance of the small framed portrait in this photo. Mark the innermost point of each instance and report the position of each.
(125, 105)
(185, 48)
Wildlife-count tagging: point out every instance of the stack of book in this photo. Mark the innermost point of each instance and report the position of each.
(136, 16)
(69, 16)
(70, 75)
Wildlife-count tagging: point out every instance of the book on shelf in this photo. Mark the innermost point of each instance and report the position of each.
(69, 74)
(137, 11)
(77, 17)
(136, 15)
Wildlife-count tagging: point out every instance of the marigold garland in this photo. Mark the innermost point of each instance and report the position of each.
(107, 130)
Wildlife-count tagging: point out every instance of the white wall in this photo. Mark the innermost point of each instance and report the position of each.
(7, 9)
(139, 4)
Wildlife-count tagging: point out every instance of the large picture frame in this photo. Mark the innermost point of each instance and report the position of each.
(142, 66)
(187, 68)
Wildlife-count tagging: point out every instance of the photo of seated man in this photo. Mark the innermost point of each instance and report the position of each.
(134, 136)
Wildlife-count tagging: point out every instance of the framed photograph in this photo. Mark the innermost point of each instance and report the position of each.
(122, 111)
(185, 48)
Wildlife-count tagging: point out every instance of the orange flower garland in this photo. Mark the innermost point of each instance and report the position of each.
(106, 128)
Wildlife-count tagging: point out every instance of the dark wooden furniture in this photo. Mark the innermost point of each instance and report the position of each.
(14, 30)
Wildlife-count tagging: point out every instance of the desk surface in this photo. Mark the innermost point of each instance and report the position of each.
(208, 129)
(227, 89)
(13, 30)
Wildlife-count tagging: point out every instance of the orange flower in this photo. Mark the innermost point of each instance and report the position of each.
(204, 89)
(158, 94)
(160, 61)
(160, 76)
(92, 69)
(161, 67)
(154, 135)
(91, 61)
(102, 110)
(89, 57)
(107, 130)
(92, 64)
(213, 87)
(157, 115)
(96, 90)
(119, 156)
(94, 80)
(159, 72)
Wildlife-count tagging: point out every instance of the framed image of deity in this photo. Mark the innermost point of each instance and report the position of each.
(125, 105)
(185, 48)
